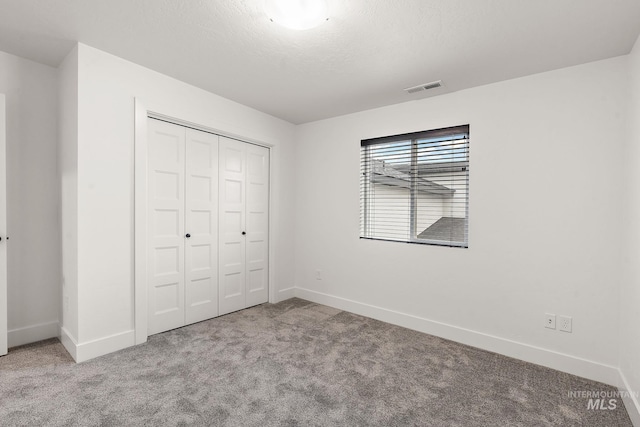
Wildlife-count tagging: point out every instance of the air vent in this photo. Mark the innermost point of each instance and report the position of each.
(425, 86)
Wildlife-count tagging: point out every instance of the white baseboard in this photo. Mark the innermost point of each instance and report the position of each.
(284, 294)
(106, 345)
(540, 356)
(630, 399)
(81, 352)
(34, 333)
(69, 342)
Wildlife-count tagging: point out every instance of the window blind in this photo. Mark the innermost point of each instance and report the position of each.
(415, 187)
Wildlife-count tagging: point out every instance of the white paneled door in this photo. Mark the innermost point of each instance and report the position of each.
(3, 229)
(201, 252)
(182, 222)
(166, 186)
(233, 173)
(257, 220)
(244, 207)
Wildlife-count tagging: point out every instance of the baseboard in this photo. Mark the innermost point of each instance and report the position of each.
(100, 347)
(630, 399)
(540, 356)
(81, 352)
(34, 333)
(69, 342)
(284, 294)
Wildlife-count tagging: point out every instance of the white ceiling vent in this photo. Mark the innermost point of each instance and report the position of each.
(425, 86)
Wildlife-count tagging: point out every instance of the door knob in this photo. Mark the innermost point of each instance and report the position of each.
(187, 235)
(244, 232)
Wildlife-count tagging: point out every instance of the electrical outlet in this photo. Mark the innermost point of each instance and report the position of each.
(549, 320)
(318, 275)
(565, 323)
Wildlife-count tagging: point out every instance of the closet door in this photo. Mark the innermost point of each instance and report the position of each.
(257, 227)
(201, 226)
(166, 206)
(232, 225)
(244, 225)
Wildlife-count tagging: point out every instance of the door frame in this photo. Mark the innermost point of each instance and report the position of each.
(141, 115)
(4, 319)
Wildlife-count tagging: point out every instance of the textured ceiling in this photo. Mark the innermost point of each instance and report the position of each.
(361, 58)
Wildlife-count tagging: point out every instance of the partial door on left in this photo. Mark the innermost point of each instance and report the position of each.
(182, 225)
(3, 230)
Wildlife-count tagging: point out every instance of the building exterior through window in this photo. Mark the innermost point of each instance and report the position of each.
(415, 187)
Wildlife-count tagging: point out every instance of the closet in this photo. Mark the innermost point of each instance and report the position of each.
(207, 225)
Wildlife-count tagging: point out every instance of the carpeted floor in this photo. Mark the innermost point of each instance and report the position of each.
(292, 364)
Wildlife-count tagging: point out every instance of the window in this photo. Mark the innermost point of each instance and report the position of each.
(415, 187)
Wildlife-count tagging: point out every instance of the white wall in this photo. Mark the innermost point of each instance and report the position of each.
(107, 86)
(545, 219)
(68, 170)
(32, 199)
(630, 289)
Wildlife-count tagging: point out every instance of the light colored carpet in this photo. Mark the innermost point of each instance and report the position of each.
(291, 364)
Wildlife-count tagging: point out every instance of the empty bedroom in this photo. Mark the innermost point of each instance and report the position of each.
(320, 212)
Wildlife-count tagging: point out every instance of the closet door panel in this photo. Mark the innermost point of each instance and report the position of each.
(166, 226)
(257, 226)
(232, 222)
(201, 250)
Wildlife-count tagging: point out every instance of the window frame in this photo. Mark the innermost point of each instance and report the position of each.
(413, 140)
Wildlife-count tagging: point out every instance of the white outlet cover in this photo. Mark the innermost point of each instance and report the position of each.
(565, 323)
(549, 320)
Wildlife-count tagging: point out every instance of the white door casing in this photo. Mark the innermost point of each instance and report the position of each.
(201, 223)
(244, 224)
(3, 228)
(166, 201)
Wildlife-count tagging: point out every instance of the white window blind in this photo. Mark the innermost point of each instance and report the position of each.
(415, 187)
